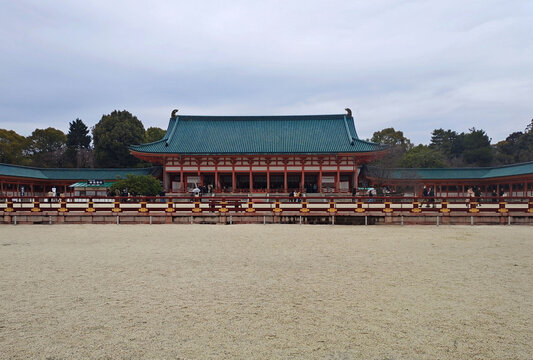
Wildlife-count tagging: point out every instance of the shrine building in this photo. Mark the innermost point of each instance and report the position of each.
(254, 154)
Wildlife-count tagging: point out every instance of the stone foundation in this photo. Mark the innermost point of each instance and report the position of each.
(368, 218)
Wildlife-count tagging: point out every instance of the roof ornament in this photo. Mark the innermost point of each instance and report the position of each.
(173, 114)
(349, 112)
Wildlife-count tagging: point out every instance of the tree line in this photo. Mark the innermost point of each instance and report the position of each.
(105, 145)
(449, 148)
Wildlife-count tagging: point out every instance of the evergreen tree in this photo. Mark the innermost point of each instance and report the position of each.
(47, 147)
(112, 135)
(78, 144)
(447, 142)
(422, 156)
(477, 148)
(392, 137)
(145, 185)
(13, 148)
(517, 147)
(153, 134)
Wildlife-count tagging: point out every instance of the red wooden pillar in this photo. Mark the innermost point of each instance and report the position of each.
(199, 163)
(165, 181)
(338, 178)
(320, 178)
(355, 183)
(251, 179)
(285, 179)
(268, 177)
(233, 178)
(217, 183)
(302, 182)
(182, 185)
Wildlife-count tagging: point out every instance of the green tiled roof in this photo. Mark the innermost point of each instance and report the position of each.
(72, 174)
(453, 173)
(303, 134)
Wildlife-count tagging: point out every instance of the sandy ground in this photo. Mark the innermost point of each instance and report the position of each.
(266, 292)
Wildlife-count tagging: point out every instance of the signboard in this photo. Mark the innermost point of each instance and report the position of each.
(95, 182)
(193, 180)
(328, 179)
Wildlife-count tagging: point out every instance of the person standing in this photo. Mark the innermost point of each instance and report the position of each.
(469, 195)
(477, 194)
(425, 194)
(431, 195)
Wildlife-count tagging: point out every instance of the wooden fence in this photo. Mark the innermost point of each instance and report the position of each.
(276, 205)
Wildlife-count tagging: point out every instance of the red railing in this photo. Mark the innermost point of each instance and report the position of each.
(309, 205)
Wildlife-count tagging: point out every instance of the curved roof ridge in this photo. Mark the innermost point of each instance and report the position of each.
(150, 143)
(277, 117)
(260, 134)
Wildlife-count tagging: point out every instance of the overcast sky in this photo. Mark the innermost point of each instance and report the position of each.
(414, 65)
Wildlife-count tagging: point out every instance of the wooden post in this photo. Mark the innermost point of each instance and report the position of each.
(9, 203)
(250, 208)
(285, 178)
(501, 207)
(233, 179)
(387, 209)
(170, 206)
(473, 207)
(165, 179)
(332, 209)
(196, 208)
(444, 207)
(223, 209)
(355, 183)
(338, 178)
(416, 206)
(277, 209)
(116, 208)
(143, 209)
(182, 180)
(304, 208)
(62, 206)
(302, 180)
(36, 205)
(217, 182)
(251, 179)
(90, 206)
(320, 177)
(359, 208)
(268, 175)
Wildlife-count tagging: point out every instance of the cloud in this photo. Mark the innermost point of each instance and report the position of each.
(415, 65)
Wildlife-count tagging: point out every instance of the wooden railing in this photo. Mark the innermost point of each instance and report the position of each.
(311, 205)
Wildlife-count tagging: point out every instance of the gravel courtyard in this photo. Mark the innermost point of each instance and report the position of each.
(266, 292)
